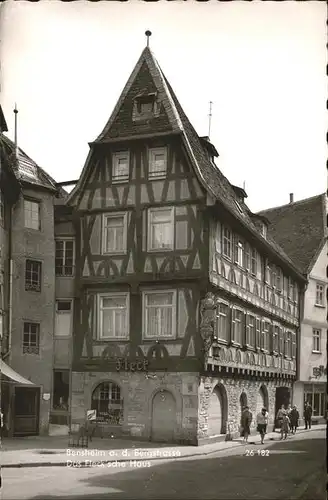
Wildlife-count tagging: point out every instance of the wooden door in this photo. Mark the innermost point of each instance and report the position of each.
(163, 417)
(215, 414)
(26, 411)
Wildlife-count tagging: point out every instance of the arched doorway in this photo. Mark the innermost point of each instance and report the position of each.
(163, 417)
(262, 399)
(282, 398)
(107, 400)
(217, 412)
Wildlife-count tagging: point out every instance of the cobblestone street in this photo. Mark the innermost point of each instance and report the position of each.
(292, 469)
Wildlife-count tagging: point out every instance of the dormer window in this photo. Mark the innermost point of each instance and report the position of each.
(157, 163)
(145, 106)
(264, 230)
(120, 166)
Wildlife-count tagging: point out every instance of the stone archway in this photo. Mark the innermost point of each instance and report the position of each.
(218, 411)
(242, 403)
(262, 399)
(108, 402)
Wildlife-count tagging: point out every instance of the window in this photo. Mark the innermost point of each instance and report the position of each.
(290, 289)
(281, 341)
(114, 233)
(113, 316)
(218, 237)
(264, 230)
(278, 279)
(250, 330)
(258, 333)
(2, 209)
(273, 276)
(288, 346)
(239, 253)
(293, 335)
(64, 257)
(63, 321)
(223, 321)
(237, 326)
(60, 393)
(108, 402)
(247, 257)
(33, 275)
(227, 242)
(316, 340)
(265, 335)
(275, 339)
(240, 210)
(32, 214)
(161, 229)
(31, 338)
(268, 273)
(254, 262)
(159, 314)
(1, 326)
(319, 295)
(157, 163)
(120, 166)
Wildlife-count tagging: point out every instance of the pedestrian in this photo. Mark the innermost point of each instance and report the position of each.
(294, 417)
(280, 415)
(1, 424)
(284, 426)
(289, 409)
(262, 422)
(307, 415)
(245, 423)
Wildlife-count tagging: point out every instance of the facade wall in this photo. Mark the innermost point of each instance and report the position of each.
(138, 392)
(31, 306)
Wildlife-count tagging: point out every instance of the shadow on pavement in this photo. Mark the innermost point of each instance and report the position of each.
(276, 476)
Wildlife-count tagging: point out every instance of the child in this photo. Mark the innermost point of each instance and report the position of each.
(285, 426)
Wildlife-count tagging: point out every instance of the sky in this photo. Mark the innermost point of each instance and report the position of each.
(262, 64)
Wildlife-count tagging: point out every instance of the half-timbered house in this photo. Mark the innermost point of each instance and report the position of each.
(185, 308)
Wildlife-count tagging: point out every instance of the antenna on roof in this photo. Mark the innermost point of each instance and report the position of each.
(16, 143)
(209, 120)
(148, 35)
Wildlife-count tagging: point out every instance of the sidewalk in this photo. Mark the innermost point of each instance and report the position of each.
(53, 451)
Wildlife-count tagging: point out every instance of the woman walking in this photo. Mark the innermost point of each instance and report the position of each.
(246, 420)
(294, 417)
(262, 422)
(280, 416)
(285, 426)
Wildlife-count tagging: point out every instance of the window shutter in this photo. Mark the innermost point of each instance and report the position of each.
(248, 340)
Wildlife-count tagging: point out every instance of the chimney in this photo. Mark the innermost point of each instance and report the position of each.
(291, 197)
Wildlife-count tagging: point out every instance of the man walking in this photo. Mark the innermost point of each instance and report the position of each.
(262, 422)
(294, 416)
(246, 420)
(307, 415)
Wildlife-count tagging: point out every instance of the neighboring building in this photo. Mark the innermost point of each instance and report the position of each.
(301, 229)
(185, 308)
(28, 290)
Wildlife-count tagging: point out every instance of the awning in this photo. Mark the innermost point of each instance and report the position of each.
(10, 373)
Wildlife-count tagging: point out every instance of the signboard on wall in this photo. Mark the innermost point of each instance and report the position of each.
(91, 415)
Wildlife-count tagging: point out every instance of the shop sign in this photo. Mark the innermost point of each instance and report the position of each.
(131, 366)
(319, 370)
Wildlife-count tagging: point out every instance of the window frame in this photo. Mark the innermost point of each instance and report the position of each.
(71, 312)
(100, 297)
(151, 162)
(150, 211)
(116, 157)
(227, 242)
(275, 338)
(233, 323)
(113, 215)
(265, 334)
(29, 287)
(254, 263)
(288, 344)
(27, 348)
(322, 292)
(247, 258)
(227, 316)
(63, 265)
(38, 204)
(316, 337)
(174, 306)
(250, 316)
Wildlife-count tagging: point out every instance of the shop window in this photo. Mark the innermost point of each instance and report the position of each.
(107, 401)
(60, 390)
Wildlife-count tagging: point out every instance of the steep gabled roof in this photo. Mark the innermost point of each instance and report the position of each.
(3, 123)
(25, 169)
(299, 228)
(148, 78)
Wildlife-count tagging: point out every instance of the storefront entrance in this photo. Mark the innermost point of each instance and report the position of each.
(282, 398)
(26, 411)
